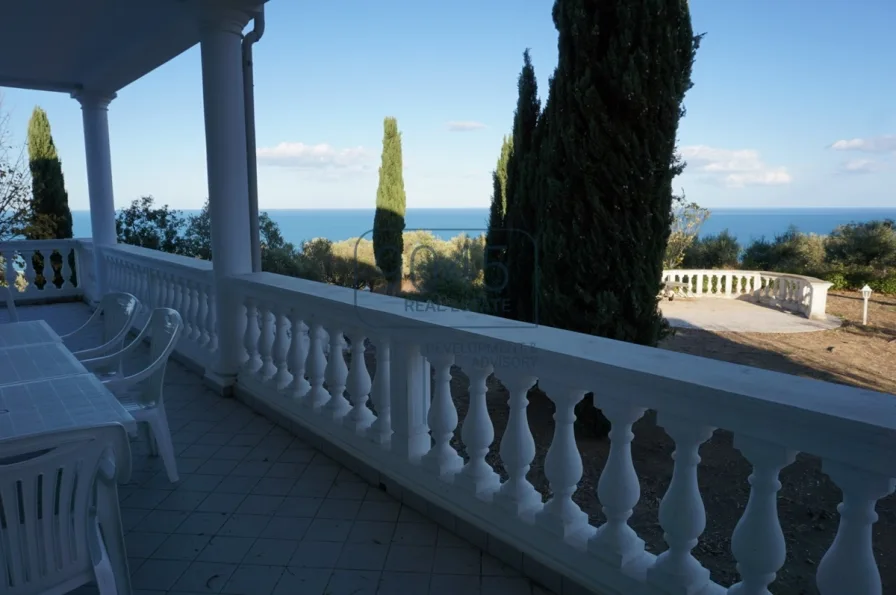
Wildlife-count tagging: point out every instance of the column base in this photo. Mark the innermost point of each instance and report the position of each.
(223, 385)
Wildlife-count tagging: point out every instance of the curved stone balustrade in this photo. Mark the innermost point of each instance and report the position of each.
(797, 293)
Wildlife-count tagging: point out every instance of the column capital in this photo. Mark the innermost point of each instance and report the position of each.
(230, 16)
(93, 99)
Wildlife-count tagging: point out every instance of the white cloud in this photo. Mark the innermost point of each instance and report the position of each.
(734, 168)
(465, 126)
(876, 144)
(322, 156)
(860, 166)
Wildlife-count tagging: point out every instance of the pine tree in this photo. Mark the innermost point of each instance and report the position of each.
(388, 222)
(606, 163)
(49, 204)
(495, 240)
(521, 237)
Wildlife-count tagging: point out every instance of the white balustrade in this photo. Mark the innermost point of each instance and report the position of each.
(798, 293)
(54, 278)
(402, 421)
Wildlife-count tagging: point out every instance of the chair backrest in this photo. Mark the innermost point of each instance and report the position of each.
(6, 292)
(163, 329)
(47, 487)
(119, 310)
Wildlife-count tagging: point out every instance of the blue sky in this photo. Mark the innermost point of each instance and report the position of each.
(792, 105)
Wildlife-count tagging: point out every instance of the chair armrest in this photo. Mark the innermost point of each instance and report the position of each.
(90, 321)
(127, 381)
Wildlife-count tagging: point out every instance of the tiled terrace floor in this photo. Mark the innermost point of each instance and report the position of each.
(259, 512)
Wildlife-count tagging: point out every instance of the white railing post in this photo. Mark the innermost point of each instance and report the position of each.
(410, 384)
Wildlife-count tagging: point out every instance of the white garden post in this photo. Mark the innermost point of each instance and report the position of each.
(866, 294)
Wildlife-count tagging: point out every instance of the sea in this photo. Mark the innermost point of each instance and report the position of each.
(298, 225)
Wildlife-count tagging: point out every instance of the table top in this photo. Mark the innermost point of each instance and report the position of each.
(58, 404)
(41, 361)
(31, 332)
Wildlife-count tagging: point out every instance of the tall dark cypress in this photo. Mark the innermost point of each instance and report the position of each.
(388, 222)
(51, 213)
(495, 240)
(521, 233)
(606, 163)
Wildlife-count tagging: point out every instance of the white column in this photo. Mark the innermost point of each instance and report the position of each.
(225, 140)
(95, 114)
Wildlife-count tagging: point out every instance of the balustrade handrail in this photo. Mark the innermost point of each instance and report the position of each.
(809, 415)
(148, 254)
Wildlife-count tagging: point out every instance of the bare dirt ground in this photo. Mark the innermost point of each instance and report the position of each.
(852, 354)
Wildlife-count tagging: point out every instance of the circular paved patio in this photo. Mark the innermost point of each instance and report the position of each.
(722, 315)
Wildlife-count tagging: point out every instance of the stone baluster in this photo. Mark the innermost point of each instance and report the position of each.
(380, 431)
(442, 459)
(253, 363)
(848, 567)
(212, 323)
(177, 296)
(282, 377)
(12, 274)
(66, 268)
(298, 351)
(266, 343)
(478, 433)
(516, 494)
(682, 515)
(28, 271)
(360, 417)
(563, 464)
(337, 377)
(411, 389)
(758, 542)
(698, 289)
(618, 488)
(195, 321)
(202, 313)
(317, 366)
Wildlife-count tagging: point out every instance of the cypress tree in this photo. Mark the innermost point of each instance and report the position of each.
(388, 222)
(521, 255)
(607, 160)
(49, 205)
(495, 240)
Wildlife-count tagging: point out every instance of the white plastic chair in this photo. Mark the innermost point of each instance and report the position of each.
(118, 312)
(10, 304)
(141, 393)
(61, 525)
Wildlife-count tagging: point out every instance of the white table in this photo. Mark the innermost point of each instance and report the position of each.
(32, 332)
(53, 405)
(41, 361)
(44, 388)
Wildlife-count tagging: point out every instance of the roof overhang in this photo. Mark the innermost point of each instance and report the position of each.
(98, 45)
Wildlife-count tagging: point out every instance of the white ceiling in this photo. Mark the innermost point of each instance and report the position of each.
(100, 45)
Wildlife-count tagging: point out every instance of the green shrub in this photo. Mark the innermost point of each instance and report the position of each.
(718, 251)
(870, 244)
(838, 280)
(791, 252)
(886, 285)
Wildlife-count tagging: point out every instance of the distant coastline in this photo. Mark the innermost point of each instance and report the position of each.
(298, 225)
